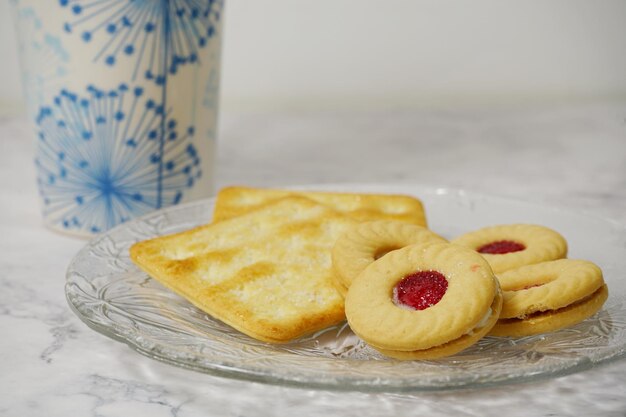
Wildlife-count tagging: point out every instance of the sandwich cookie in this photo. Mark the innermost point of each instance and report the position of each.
(424, 301)
(511, 246)
(366, 242)
(549, 296)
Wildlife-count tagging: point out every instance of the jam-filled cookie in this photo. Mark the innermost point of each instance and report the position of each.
(364, 243)
(511, 246)
(424, 301)
(549, 296)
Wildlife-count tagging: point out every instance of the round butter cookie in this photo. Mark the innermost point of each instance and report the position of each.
(511, 246)
(364, 243)
(424, 301)
(549, 296)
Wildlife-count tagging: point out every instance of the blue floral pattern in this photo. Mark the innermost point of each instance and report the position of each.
(105, 155)
(101, 159)
(159, 35)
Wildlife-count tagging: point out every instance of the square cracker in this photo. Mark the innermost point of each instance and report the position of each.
(235, 201)
(267, 273)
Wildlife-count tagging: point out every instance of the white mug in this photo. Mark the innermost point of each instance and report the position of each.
(123, 97)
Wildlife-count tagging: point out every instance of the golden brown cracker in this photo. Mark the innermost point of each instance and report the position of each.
(235, 201)
(267, 273)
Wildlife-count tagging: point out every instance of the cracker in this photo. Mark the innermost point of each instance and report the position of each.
(267, 273)
(235, 201)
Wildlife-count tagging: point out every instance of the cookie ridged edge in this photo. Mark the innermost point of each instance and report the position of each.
(359, 246)
(542, 244)
(552, 320)
(375, 318)
(561, 283)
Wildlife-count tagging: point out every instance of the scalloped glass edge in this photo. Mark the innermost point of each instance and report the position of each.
(133, 338)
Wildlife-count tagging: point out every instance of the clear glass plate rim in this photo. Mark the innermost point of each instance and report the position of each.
(224, 369)
(296, 380)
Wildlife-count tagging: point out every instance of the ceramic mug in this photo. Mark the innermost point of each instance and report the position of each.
(123, 96)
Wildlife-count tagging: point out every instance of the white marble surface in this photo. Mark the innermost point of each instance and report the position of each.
(53, 365)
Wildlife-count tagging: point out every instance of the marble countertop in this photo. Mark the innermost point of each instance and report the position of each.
(54, 365)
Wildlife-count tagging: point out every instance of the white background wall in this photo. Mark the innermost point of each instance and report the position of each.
(381, 53)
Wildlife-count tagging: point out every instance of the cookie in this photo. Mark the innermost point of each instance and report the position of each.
(235, 201)
(549, 296)
(267, 273)
(511, 246)
(424, 301)
(368, 241)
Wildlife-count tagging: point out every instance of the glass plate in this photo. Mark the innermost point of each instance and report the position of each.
(115, 298)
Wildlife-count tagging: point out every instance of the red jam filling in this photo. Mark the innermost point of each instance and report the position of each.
(501, 247)
(421, 290)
